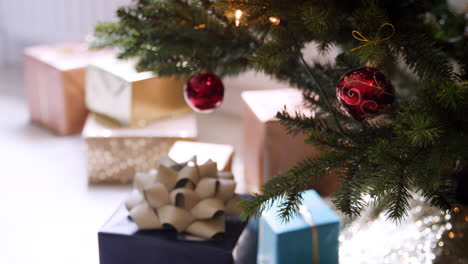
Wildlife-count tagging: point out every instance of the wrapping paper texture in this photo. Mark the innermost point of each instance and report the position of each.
(115, 89)
(116, 160)
(300, 240)
(54, 78)
(120, 242)
(114, 154)
(268, 150)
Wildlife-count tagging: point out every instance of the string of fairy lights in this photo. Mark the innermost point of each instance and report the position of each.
(238, 14)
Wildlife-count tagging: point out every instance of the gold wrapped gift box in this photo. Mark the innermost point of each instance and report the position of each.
(116, 90)
(115, 153)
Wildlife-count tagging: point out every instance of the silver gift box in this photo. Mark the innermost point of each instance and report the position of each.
(116, 90)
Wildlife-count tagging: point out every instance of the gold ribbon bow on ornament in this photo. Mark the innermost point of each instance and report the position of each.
(188, 197)
(378, 36)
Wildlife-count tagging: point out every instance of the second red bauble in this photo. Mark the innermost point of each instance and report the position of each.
(204, 92)
(365, 93)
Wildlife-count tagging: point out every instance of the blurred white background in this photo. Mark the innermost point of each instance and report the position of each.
(32, 22)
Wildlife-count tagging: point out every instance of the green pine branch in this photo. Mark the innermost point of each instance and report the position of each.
(349, 198)
(412, 147)
(289, 185)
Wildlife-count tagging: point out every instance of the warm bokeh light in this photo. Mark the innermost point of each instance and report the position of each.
(238, 16)
(451, 235)
(275, 20)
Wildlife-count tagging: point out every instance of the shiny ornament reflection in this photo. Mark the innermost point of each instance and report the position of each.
(365, 93)
(204, 92)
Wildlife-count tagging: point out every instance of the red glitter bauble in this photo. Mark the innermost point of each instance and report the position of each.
(365, 93)
(204, 92)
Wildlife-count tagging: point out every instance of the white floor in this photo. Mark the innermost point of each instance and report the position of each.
(48, 212)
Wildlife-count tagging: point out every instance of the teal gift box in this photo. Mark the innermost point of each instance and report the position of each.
(310, 236)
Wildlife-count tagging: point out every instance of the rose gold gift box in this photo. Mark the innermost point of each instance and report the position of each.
(115, 153)
(268, 150)
(54, 78)
(115, 89)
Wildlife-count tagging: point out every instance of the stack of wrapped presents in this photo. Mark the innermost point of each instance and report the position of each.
(128, 119)
(138, 129)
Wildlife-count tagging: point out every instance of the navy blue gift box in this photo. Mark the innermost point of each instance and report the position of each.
(120, 242)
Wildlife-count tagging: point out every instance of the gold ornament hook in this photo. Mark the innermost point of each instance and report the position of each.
(378, 38)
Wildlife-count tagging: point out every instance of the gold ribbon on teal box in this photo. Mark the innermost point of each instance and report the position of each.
(308, 218)
(298, 240)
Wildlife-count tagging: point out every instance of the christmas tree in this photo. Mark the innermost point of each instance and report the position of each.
(412, 145)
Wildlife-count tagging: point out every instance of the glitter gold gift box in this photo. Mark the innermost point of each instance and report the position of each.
(115, 89)
(54, 78)
(267, 148)
(115, 153)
